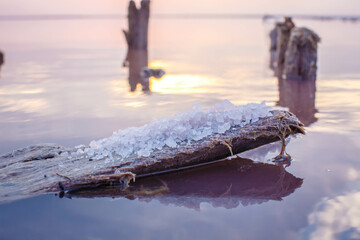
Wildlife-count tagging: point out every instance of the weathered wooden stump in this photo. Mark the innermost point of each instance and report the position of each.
(283, 36)
(295, 67)
(301, 55)
(273, 46)
(296, 51)
(137, 40)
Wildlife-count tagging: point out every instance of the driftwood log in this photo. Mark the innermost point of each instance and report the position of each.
(137, 40)
(222, 184)
(41, 168)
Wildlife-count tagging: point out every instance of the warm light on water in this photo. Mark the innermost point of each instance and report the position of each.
(63, 82)
(184, 84)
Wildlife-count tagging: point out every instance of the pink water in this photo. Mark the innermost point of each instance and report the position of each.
(63, 82)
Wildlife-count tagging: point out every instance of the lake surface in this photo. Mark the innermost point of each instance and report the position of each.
(63, 82)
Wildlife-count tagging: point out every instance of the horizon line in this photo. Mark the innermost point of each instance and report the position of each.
(22, 17)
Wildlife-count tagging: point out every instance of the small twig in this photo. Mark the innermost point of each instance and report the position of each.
(60, 175)
(229, 145)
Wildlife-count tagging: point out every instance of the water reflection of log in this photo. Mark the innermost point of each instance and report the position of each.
(222, 184)
(299, 97)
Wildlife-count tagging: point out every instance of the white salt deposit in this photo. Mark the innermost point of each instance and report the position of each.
(193, 125)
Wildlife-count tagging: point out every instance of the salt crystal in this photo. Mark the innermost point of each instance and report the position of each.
(80, 146)
(220, 118)
(79, 151)
(223, 128)
(64, 154)
(94, 145)
(195, 124)
(170, 142)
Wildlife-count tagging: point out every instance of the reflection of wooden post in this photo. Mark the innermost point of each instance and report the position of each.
(138, 59)
(137, 40)
(301, 55)
(299, 97)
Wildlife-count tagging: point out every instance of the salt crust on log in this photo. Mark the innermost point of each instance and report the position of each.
(45, 168)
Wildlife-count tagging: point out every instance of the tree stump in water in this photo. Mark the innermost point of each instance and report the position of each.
(273, 46)
(301, 55)
(296, 52)
(137, 41)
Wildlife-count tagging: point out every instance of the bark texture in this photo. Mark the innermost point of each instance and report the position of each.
(301, 55)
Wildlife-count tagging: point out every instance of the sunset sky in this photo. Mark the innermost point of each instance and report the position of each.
(319, 7)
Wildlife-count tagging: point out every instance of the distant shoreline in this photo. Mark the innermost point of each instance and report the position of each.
(352, 18)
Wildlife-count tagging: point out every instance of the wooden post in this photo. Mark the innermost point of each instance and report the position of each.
(301, 55)
(138, 20)
(137, 41)
(273, 46)
(283, 36)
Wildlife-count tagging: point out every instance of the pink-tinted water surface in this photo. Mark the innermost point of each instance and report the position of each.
(63, 82)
